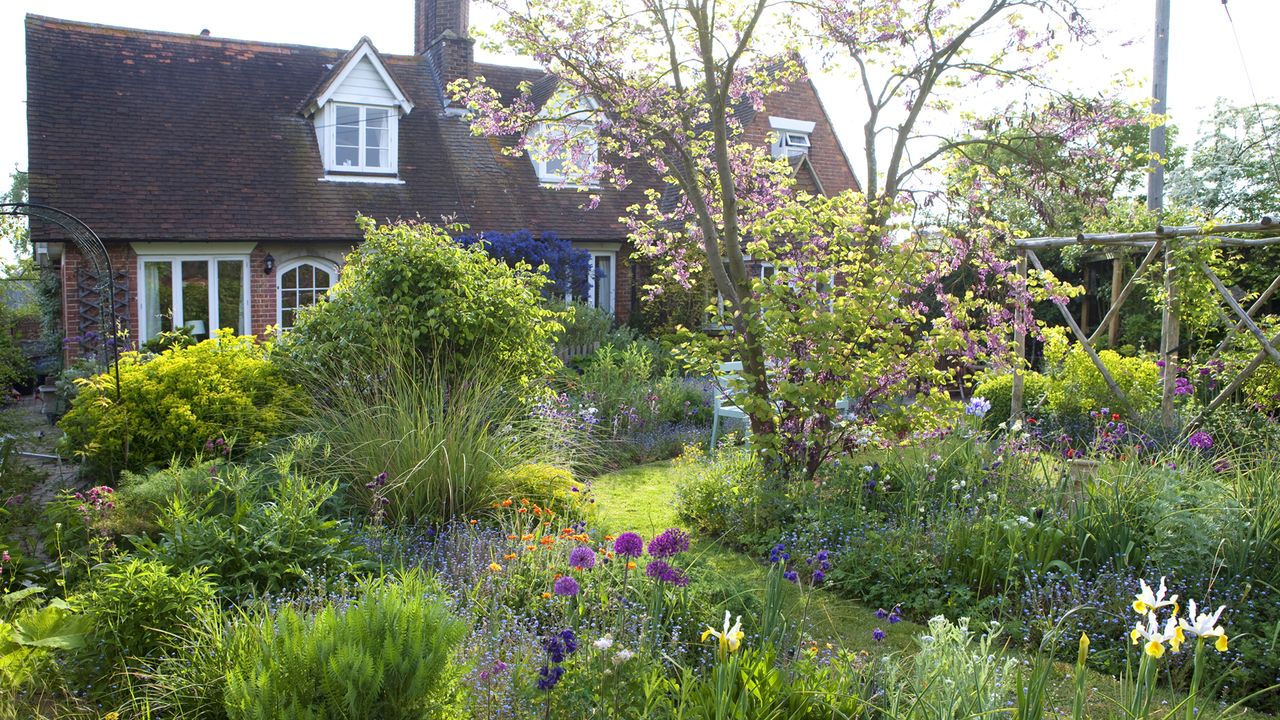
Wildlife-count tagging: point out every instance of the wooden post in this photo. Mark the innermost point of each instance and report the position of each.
(1020, 346)
(1253, 309)
(1086, 300)
(1170, 330)
(1117, 281)
(1240, 313)
(1235, 384)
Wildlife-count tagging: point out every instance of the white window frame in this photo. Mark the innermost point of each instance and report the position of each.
(792, 136)
(326, 265)
(613, 279)
(331, 165)
(175, 261)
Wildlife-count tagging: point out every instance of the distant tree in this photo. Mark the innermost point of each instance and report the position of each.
(1233, 173)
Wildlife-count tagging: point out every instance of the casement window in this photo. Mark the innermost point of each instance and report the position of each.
(201, 293)
(602, 280)
(299, 284)
(364, 139)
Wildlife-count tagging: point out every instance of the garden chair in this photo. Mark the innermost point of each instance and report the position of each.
(723, 403)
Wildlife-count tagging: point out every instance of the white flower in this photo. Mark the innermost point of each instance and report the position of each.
(1146, 601)
(604, 643)
(623, 656)
(1155, 637)
(1205, 625)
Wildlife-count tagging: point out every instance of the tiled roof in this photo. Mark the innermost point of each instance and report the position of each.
(160, 136)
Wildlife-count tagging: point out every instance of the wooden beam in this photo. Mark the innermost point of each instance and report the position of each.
(1019, 346)
(1267, 225)
(1239, 311)
(1111, 321)
(1253, 309)
(1129, 287)
(1088, 347)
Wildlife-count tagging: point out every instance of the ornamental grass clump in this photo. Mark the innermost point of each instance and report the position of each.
(451, 444)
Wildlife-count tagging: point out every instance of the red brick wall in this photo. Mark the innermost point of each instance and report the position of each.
(122, 258)
(262, 293)
(800, 101)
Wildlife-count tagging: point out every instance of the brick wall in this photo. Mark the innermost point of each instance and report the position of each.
(122, 257)
(800, 101)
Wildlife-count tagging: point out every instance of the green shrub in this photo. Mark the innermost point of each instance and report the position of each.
(257, 532)
(456, 305)
(447, 442)
(998, 390)
(730, 494)
(174, 403)
(587, 326)
(1078, 388)
(141, 499)
(386, 656)
(15, 367)
(138, 609)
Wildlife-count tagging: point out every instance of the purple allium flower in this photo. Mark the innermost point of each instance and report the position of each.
(1200, 440)
(662, 572)
(566, 586)
(549, 676)
(582, 557)
(877, 635)
(629, 544)
(669, 543)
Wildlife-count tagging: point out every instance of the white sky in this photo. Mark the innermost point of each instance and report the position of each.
(1204, 64)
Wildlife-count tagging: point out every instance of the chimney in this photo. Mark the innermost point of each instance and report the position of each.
(441, 33)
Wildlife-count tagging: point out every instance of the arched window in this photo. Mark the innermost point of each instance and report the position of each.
(300, 284)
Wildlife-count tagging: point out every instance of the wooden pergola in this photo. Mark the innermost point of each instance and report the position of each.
(1159, 244)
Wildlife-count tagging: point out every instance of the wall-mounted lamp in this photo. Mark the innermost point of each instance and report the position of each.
(268, 264)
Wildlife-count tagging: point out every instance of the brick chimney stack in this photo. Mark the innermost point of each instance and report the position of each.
(441, 33)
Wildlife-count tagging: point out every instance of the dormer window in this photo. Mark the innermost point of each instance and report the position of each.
(357, 118)
(563, 147)
(362, 139)
(791, 137)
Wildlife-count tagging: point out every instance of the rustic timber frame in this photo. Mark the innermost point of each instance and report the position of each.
(1159, 245)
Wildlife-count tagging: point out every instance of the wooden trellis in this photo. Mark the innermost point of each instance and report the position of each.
(1159, 244)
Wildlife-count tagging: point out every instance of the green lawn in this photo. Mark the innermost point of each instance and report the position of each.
(641, 499)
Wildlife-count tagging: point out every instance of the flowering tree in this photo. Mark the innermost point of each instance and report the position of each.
(862, 325)
(909, 55)
(567, 269)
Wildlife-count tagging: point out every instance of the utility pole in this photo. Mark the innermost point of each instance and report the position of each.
(1169, 326)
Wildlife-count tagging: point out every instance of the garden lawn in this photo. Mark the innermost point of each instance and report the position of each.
(642, 499)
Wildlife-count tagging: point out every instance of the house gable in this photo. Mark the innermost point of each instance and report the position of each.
(361, 78)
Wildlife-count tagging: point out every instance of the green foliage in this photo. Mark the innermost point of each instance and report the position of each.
(447, 442)
(30, 638)
(998, 390)
(172, 404)
(388, 655)
(14, 365)
(256, 531)
(1077, 387)
(588, 325)
(1231, 173)
(731, 494)
(139, 608)
(955, 674)
(456, 305)
(142, 499)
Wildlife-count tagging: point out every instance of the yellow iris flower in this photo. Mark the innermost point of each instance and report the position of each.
(1147, 601)
(1156, 638)
(730, 637)
(1205, 625)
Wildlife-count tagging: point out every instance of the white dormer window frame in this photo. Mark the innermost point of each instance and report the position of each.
(363, 116)
(376, 128)
(578, 120)
(791, 137)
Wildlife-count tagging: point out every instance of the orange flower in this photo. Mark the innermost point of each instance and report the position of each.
(526, 537)
(558, 576)
(631, 565)
(547, 539)
(511, 537)
(546, 596)
(566, 531)
(473, 522)
(524, 501)
(608, 538)
(509, 556)
(506, 503)
(494, 505)
(528, 547)
(524, 510)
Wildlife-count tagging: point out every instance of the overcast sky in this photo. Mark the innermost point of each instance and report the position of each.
(1205, 63)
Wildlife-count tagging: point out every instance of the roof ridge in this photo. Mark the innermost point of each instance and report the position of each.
(192, 38)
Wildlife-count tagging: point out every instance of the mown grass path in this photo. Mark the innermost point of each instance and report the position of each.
(641, 499)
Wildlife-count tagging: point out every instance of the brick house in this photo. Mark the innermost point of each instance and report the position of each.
(224, 176)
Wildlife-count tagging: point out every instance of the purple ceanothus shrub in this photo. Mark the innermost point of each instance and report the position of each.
(857, 335)
(566, 267)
